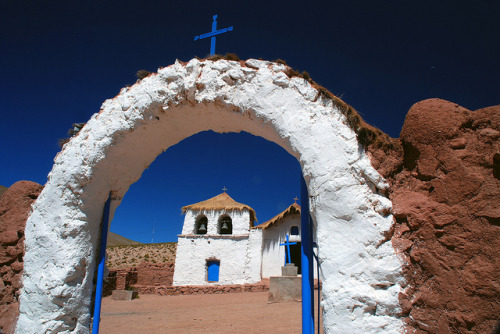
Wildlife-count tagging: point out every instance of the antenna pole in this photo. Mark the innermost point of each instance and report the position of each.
(153, 237)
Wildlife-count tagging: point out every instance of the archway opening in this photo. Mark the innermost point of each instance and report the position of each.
(262, 173)
(255, 172)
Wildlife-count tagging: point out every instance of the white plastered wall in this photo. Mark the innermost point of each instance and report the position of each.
(194, 251)
(361, 273)
(234, 251)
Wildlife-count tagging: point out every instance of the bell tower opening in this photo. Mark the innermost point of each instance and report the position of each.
(201, 225)
(225, 225)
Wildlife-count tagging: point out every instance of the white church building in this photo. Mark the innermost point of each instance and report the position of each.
(219, 243)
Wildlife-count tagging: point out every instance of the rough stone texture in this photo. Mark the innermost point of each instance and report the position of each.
(164, 290)
(125, 278)
(446, 198)
(123, 257)
(361, 272)
(15, 205)
(155, 274)
(146, 274)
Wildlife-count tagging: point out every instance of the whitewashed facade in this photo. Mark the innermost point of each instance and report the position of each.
(237, 253)
(247, 255)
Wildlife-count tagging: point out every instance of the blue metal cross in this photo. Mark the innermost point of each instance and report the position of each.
(212, 34)
(287, 244)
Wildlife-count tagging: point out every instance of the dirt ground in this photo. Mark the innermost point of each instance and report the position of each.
(212, 313)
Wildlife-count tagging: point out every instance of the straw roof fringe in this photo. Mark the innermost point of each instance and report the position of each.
(221, 202)
(291, 210)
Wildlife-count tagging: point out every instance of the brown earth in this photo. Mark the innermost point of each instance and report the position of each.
(445, 190)
(117, 240)
(246, 312)
(2, 190)
(15, 205)
(127, 256)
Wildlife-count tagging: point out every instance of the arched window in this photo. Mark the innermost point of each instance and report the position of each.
(225, 225)
(294, 230)
(200, 227)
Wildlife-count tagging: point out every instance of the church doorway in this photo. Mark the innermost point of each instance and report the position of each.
(213, 271)
(295, 256)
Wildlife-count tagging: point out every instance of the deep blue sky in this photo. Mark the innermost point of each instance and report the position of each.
(61, 59)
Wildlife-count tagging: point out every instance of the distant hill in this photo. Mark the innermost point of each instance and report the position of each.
(2, 190)
(127, 256)
(117, 240)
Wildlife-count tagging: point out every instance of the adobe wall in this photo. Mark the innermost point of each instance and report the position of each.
(445, 189)
(153, 278)
(15, 205)
(163, 290)
(155, 273)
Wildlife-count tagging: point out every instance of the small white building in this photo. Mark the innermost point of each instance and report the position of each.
(274, 234)
(219, 243)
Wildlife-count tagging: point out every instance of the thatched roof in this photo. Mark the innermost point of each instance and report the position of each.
(291, 210)
(221, 202)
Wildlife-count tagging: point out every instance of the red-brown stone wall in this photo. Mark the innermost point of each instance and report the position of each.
(125, 278)
(445, 190)
(15, 205)
(163, 290)
(109, 284)
(155, 274)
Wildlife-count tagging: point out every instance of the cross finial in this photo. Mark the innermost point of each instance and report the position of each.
(212, 34)
(295, 199)
(224, 189)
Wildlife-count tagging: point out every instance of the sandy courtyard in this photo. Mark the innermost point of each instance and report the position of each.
(212, 313)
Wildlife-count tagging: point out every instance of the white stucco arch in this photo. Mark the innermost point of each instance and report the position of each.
(361, 273)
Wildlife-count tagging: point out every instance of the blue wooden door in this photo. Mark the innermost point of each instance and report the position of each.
(213, 271)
